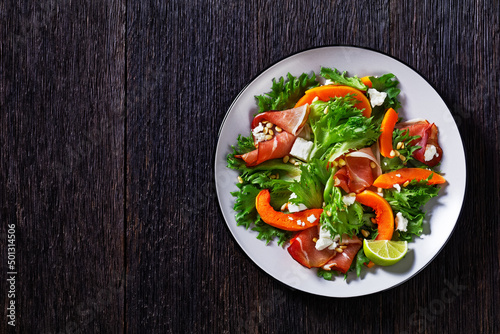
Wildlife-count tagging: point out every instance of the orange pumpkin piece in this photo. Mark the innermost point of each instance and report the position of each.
(387, 128)
(296, 221)
(325, 93)
(400, 176)
(384, 216)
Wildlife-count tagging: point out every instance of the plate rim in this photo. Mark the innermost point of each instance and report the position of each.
(333, 46)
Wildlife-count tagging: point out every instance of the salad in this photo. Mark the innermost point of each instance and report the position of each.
(331, 171)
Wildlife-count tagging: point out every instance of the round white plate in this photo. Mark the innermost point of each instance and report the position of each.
(419, 100)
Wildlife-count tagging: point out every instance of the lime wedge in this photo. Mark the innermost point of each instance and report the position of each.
(385, 252)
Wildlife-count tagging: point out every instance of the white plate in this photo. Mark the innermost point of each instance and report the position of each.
(419, 100)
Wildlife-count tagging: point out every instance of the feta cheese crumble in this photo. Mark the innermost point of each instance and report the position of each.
(348, 200)
(312, 218)
(258, 133)
(397, 187)
(430, 152)
(401, 222)
(295, 207)
(376, 98)
(325, 240)
(301, 149)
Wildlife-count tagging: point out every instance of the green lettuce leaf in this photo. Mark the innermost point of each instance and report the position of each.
(385, 83)
(409, 201)
(341, 78)
(338, 218)
(341, 128)
(285, 94)
(309, 189)
(390, 164)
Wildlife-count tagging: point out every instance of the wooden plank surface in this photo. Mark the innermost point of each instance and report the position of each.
(61, 176)
(109, 114)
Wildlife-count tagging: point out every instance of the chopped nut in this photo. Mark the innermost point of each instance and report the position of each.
(372, 164)
(286, 158)
(269, 137)
(269, 125)
(365, 233)
(278, 129)
(240, 180)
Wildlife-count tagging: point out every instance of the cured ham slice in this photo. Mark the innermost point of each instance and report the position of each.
(428, 140)
(358, 174)
(342, 261)
(278, 147)
(291, 120)
(302, 249)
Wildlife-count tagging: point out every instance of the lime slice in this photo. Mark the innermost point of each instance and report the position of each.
(385, 252)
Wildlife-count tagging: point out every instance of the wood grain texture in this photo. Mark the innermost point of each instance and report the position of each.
(62, 178)
(109, 114)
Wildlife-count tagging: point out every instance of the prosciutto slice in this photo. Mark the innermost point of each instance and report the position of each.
(278, 147)
(291, 120)
(302, 249)
(428, 137)
(357, 174)
(342, 261)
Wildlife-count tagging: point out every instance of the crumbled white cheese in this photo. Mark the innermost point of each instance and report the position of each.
(328, 82)
(401, 222)
(312, 218)
(430, 152)
(325, 240)
(258, 133)
(348, 200)
(301, 149)
(295, 207)
(397, 187)
(398, 175)
(376, 98)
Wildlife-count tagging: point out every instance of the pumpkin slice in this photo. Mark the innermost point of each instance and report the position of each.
(400, 176)
(296, 221)
(383, 213)
(325, 93)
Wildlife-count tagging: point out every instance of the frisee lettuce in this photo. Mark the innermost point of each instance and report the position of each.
(284, 94)
(403, 136)
(338, 218)
(341, 128)
(409, 201)
(341, 78)
(386, 83)
(309, 189)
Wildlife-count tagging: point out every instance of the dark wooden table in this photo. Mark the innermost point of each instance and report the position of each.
(109, 113)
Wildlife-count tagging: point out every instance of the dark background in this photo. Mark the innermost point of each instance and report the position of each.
(109, 113)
